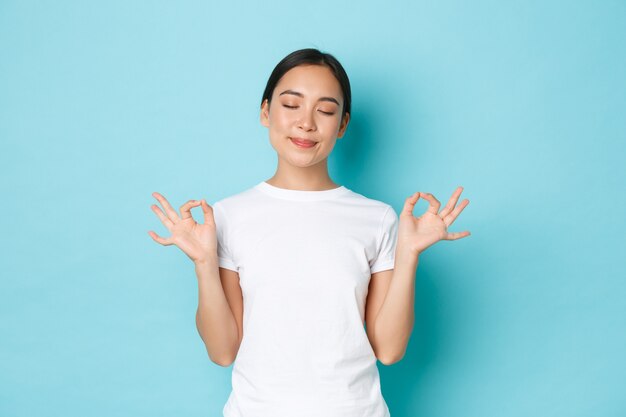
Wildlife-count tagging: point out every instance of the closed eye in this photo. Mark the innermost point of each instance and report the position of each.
(321, 111)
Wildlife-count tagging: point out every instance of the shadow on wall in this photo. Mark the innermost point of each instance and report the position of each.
(386, 127)
(386, 124)
(362, 158)
(403, 383)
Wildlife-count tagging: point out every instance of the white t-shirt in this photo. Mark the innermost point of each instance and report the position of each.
(305, 259)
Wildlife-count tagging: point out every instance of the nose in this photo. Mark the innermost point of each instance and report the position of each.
(306, 121)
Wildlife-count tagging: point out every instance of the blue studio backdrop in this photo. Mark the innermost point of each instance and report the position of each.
(521, 103)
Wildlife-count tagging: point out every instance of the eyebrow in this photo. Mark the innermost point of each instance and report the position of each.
(296, 93)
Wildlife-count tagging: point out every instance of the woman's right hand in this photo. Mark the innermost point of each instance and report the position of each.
(198, 241)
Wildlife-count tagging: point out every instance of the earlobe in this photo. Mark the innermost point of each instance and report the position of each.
(343, 126)
(264, 114)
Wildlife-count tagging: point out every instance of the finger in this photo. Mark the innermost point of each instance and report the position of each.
(208, 213)
(185, 209)
(171, 213)
(166, 222)
(450, 218)
(457, 235)
(159, 239)
(452, 202)
(409, 204)
(434, 203)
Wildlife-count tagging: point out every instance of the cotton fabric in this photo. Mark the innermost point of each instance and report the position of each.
(305, 259)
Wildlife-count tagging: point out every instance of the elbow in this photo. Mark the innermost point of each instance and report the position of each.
(390, 359)
(222, 361)
(221, 357)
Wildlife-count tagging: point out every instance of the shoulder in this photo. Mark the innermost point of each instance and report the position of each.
(364, 210)
(235, 201)
(372, 205)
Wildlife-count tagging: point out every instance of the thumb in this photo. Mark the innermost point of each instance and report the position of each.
(409, 204)
(208, 212)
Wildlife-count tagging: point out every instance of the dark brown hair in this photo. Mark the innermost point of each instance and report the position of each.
(310, 56)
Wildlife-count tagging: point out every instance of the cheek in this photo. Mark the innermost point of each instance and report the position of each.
(279, 119)
(330, 124)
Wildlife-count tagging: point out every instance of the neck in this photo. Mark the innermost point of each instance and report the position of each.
(312, 178)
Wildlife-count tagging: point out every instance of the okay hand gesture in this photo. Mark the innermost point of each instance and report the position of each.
(198, 241)
(418, 233)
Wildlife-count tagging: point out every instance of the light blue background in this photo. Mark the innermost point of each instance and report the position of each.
(522, 103)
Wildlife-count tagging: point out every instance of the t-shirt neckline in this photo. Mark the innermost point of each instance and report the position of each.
(300, 195)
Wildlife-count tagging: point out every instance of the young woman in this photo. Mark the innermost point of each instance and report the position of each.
(304, 283)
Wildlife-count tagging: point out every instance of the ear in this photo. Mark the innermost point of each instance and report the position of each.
(344, 125)
(265, 113)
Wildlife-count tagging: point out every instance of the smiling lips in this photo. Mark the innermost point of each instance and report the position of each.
(303, 143)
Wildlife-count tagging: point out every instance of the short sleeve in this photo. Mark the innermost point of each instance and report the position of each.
(224, 253)
(387, 240)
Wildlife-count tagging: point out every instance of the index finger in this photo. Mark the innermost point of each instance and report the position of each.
(452, 202)
(171, 213)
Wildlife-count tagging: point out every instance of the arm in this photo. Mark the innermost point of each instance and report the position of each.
(390, 304)
(214, 318)
(220, 303)
(390, 307)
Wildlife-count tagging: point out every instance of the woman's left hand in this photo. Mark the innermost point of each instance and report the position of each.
(418, 233)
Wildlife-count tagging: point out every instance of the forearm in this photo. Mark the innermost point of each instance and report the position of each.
(394, 322)
(214, 319)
